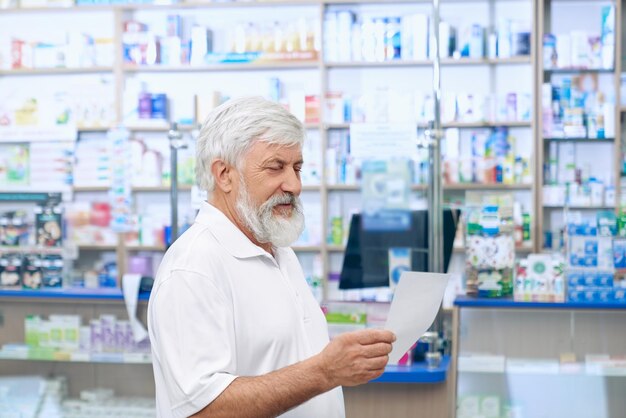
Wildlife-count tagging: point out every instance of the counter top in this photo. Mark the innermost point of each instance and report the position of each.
(109, 294)
(470, 302)
(415, 373)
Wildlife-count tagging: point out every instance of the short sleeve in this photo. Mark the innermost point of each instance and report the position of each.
(193, 340)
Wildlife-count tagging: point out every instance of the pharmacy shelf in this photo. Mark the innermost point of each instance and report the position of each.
(447, 187)
(307, 248)
(521, 59)
(66, 357)
(193, 5)
(61, 294)
(159, 189)
(459, 125)
(578, 207)
(473, 125)
(374, 64)
(136, 189)
(343, 187)
(487, 186)
(89, 189)
(577, 70)
(30, 249)
(311, 188)
(469, 302)
(55, 71)
(428, 63)
(336, 248)
(86, 129)
(415, 373)
(499, 366)
(156, 127)
(328, 126)
(524, 249)
(285, 65)
(370, 1)
(164, 127)
(220, 5)
(607, 140)
(84, 247)
(357, 187)
(155, 248)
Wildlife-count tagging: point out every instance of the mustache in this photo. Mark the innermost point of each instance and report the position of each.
(284, 199)
(281, 199)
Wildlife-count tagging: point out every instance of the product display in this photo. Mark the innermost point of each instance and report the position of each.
(490, 249)
(385, 105)
(190, 43)
(349, 36)
(38, 396)
(582, 49)
(574, 107)
(540, 278)
(595, 256)
(84, 104)
(79, 51)
(573, 183)
(63, 337)
(493, 159)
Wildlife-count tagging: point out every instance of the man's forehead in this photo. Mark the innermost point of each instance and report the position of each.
(267, 151)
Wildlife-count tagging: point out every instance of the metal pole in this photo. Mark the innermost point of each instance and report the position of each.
(435, 243)
(175, 138)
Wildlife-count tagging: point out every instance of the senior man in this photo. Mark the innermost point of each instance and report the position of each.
(235, 330)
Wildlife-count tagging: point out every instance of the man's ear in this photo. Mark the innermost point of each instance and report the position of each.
(222, 173)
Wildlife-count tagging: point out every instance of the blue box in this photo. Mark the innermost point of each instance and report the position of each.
(591, 261)
(575, 278)
(591, 295)
(591, 247)
(619, 296)
(589, 278)
(604, 280)
(619, 254)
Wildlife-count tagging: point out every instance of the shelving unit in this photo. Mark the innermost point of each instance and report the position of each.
(55, 71)
(545, 21)
(223, 67)
(496, 355)
(120, 71)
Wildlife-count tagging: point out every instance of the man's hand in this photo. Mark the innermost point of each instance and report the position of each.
(355, 358)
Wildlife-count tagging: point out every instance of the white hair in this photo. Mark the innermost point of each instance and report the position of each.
(230, 129)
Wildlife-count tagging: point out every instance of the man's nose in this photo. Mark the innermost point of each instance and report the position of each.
(292, 183)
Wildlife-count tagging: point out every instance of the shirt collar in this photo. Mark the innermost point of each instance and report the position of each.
(227, 233)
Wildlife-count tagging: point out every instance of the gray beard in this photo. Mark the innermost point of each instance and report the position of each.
(265, 226)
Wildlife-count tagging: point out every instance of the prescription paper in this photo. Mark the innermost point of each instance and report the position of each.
(415, 304)
(130, 288)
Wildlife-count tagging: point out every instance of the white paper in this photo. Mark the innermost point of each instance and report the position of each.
(130, 288)
(415, 304)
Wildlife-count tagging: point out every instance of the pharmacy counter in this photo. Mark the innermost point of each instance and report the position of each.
(403, 391)
(416, 373)
(73, 294)
(534, 359)
(507, 303)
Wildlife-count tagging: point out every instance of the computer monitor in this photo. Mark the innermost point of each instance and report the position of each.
(366, 260)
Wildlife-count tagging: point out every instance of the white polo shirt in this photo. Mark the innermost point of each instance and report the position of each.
(222, 307)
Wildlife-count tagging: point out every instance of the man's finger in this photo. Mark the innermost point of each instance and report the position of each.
(373, 336)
